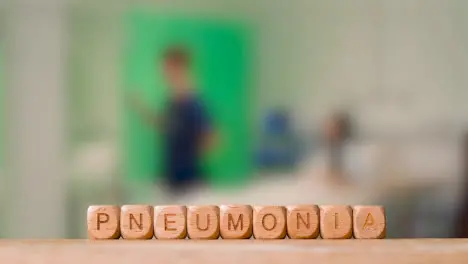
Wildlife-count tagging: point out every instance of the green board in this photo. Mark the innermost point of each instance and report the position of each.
(221, 53)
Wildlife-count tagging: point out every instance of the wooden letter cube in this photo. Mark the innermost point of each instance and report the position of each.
(103, 222)
(136, 222)
(236, 221)
(269, 222)
(170, 222)
(336, 222)
(303, 221)
(369, 222)
(203, 222)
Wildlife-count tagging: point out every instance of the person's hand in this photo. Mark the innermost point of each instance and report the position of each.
(142, 109)
(134, 100)
(211, 141)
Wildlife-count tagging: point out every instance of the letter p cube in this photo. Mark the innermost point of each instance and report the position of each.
(103, 222)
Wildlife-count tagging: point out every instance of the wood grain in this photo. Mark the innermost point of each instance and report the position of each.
(170, 222)
(236, 221)
(303, 221)
(103, 222)
(386, 251)
(269, 222)
(203, 222)
(336, 222)
(136, 222)
(369, 222)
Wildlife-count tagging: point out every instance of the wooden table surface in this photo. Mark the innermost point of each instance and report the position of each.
(424, 251)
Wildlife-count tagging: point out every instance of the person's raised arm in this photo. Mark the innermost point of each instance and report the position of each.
(146, 113)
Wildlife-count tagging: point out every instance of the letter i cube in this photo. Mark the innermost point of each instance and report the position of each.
(336, 222)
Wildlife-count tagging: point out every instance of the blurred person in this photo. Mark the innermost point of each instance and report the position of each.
(339, 158)
(185, 125)
(337, 133)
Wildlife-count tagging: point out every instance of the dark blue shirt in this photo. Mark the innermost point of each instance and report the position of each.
(186, 126)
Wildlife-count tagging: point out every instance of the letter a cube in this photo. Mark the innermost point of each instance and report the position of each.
(369, 222)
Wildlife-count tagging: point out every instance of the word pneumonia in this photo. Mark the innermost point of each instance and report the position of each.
(236, 222)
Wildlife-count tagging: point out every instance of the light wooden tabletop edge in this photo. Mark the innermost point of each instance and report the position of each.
(359, 251)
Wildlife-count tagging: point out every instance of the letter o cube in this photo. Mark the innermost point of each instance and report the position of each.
(269, 222)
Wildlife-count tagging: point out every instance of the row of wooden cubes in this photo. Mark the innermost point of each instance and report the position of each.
(235, 222)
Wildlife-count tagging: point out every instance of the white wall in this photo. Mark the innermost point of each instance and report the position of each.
(399, 66)
(36, 182)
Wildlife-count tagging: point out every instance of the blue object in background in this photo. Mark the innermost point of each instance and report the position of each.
(278, 148)
(276, 123)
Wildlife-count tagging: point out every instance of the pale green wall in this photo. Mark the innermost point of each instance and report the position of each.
(3, 180)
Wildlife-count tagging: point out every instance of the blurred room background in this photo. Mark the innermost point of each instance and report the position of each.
(272, 72)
